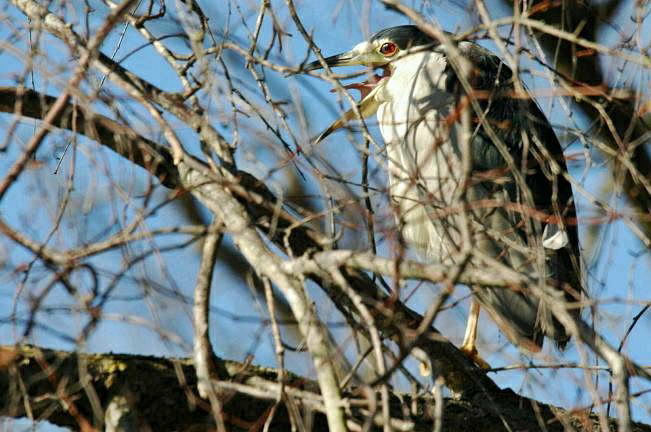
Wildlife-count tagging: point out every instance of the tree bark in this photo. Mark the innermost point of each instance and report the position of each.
(161, 395)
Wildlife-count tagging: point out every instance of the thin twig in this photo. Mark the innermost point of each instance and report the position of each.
(203, 350)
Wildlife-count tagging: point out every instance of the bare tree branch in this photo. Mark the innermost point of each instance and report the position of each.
(171, 380)
(237, 112)
(459, 372)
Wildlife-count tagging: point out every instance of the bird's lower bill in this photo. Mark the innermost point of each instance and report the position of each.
(366, 107)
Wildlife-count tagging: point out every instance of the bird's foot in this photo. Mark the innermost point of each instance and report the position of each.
(471, 352)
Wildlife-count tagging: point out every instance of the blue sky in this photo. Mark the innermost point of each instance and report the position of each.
(147, 316)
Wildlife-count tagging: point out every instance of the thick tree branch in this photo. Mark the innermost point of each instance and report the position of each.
(153, 157)
(161, 394)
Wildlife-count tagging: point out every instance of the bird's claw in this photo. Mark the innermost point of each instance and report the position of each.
(471, 352)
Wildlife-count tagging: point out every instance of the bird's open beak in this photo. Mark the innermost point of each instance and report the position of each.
(369, 89)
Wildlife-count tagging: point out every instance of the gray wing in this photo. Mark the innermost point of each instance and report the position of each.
(544, 215)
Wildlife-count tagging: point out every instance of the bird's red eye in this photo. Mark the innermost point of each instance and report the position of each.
(388, 49)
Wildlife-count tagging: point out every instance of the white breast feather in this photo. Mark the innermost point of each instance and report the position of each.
(422, 160)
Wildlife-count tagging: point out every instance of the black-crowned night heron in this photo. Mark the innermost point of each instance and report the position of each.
(515, 205)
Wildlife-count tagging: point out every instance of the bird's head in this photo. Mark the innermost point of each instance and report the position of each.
(383, 50)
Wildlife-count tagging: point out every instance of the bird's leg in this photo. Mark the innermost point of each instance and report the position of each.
(468, 347)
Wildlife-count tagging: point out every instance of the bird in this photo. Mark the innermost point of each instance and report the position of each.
(508, 173)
